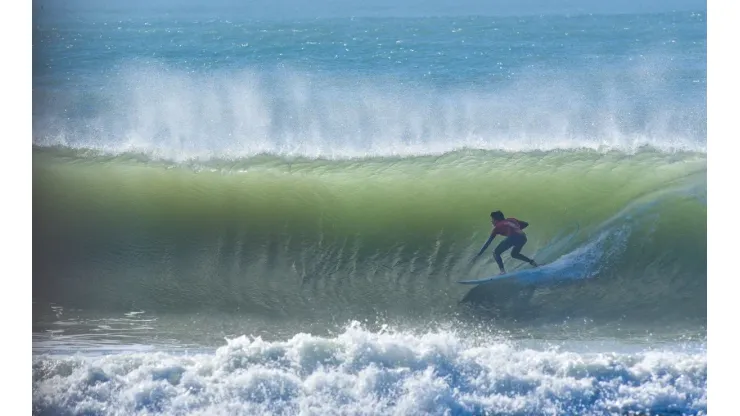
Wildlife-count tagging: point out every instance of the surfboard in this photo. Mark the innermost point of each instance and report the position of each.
(521, 273)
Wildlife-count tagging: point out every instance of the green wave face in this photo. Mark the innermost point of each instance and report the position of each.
(368, 236)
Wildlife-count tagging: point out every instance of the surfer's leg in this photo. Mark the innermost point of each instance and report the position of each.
(500, 249)
(515, 253)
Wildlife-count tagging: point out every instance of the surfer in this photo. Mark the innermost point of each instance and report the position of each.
(511, 228)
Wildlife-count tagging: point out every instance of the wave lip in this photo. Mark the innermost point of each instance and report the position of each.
(362, 372)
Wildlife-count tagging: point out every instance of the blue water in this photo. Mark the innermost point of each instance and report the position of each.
(179, 87)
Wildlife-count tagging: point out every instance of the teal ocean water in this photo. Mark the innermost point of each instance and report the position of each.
(234, 215)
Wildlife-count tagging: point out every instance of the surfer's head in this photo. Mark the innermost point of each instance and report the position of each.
(497, 216)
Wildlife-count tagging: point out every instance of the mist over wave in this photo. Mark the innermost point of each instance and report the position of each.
(169, 113)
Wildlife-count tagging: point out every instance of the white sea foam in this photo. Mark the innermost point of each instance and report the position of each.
(360, 372)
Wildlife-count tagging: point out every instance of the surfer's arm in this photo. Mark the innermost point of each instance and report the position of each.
(488, 243)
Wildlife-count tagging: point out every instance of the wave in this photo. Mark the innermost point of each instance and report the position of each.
(350, 238)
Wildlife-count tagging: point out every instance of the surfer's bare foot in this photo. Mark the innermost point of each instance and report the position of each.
(534, 264)
(502, 271)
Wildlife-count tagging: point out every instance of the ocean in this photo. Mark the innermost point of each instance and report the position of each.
(239, 216)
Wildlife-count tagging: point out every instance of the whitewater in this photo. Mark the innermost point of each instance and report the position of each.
(235, 216)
